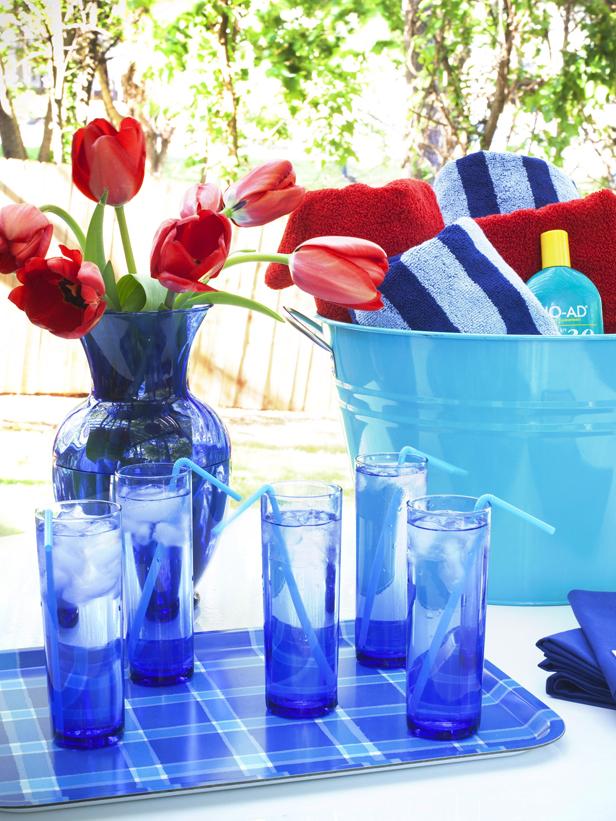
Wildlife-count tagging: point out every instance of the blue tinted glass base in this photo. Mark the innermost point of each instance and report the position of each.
(442, 730)
(385, 644)
(297, 710)
(90, 739)
(161, 680)
(160, 663)
(294, 684)
(216, 732)
(384, 662)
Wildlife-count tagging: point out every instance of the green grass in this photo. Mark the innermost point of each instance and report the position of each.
(266, 447)
(24, 482)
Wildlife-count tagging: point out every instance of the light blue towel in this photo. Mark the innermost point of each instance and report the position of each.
(487, 183)
(457, 282)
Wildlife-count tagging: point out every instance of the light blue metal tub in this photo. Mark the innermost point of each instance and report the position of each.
(533, 419)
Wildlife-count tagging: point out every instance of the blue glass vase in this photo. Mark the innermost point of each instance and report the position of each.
(140, 410)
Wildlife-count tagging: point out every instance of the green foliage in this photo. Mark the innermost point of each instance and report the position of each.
(535, 76)
(206, 45)
(532, 76)
(140, 292)
(226, 298)
(95, 244)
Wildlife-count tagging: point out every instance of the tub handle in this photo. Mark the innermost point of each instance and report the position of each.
(308, 327)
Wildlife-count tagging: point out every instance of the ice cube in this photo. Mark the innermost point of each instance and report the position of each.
(170, 534)
(451, 568)
(68, 556)
(102, 548)
(149, 504)
(93, 583)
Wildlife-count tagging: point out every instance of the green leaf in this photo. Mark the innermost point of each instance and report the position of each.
(140, 292)
(111, 286)
(95, 247)
(130, 293)
(225, 298)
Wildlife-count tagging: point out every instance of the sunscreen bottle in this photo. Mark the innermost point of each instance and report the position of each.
(568, 296)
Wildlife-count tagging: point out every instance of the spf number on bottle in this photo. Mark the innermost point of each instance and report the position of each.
(575, 332)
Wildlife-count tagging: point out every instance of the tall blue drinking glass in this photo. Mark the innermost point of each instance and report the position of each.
(448, 543)
(300, 526)
(156, 523)
(81, 596)
(382, 489)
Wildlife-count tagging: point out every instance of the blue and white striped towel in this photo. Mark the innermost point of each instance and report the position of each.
(457, 282)
(487, 183)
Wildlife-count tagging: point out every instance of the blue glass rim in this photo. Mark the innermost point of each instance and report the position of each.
(371, 463)
(111, 509)
(148, 471)
(438, 508)
(298, 490)
(193, 309)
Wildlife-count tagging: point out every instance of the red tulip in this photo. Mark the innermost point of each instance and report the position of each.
(343, 270)
(263, 195)
(24, 232)
(108, 160)
(204, 196)
(64, 295)
(185, 250)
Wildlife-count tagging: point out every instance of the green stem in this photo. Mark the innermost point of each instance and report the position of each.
(170, 299)
(64, 215)
(237, 259)
(128, 250)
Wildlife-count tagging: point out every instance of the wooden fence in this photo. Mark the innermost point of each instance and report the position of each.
(241, 359)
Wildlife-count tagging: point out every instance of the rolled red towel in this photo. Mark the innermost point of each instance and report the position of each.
(591, 225)
(397, 216)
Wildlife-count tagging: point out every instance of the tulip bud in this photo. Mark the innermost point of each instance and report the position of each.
(204, 196)
(342, 270)
(263, 195)
(24, 232)
(186, 250)
(106, 159)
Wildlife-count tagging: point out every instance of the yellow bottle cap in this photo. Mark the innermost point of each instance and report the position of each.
(555, 249)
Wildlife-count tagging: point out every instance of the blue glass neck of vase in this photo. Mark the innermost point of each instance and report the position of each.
(142, 356)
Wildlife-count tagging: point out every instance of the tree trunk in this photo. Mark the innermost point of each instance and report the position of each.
(157, 146)
(57, 69)
(10, 137)
(158, 131)
(227, 32)
(10, 134)
(113, 115)
(87, 54)
(423, 122)
(502, 89)
(44, 154)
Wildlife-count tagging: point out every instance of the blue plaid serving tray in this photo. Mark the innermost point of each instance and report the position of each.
(214, 732)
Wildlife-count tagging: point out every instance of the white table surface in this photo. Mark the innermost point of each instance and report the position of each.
(571, 779)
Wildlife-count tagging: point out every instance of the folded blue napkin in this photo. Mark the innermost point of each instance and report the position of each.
(583, 661)
(459, 283)
(489, 182)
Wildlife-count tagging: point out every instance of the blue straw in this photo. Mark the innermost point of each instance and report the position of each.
(188, 463)
(458, 590)
(377, 562)
(150, 581)
(296, 597)
(491, 499)
(407, 450)
(52, 608)
(239, 510)
(377, 565)
(146, 594)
